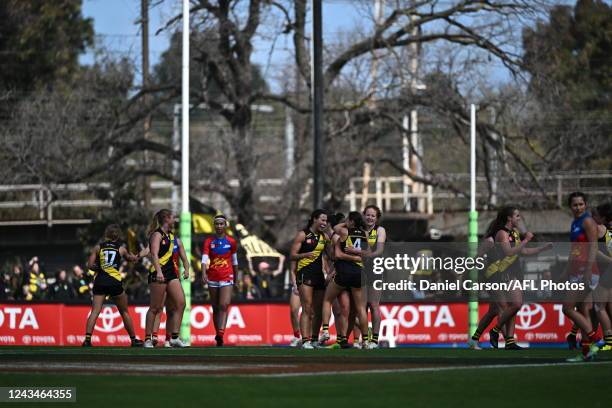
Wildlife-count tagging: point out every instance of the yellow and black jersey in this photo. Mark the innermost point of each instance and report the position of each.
(373, 237)
(356, 239)
(312, 243)
(166, 249)
(505, 264)
(109, 259)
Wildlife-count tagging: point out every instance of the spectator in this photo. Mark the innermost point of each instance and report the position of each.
(15, 283)
(248, 290)
(36, 282)
(81, 283)
(5, 286)
(62, 290)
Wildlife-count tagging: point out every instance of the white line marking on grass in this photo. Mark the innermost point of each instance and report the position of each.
(415, 369)
(120, 367)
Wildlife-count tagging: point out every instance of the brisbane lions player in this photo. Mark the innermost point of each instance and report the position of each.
(219, 268)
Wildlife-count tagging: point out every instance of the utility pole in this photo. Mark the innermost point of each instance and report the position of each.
(317, 103)
(412, 148)
(144, 21)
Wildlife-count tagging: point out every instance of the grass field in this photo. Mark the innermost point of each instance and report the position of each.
(279, 377)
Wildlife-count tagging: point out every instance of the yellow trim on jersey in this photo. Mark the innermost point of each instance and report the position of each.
(502, 264)
(168, 255)
(608, 240)
(373, 237)
(304, 262)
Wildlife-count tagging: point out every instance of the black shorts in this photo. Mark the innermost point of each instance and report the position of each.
(168, 276)
(315, 279)
(348, 280)
(107, 286)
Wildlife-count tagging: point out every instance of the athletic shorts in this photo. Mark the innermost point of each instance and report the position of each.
(580, 278)
(348, 280)
(220, 284)
(315, 279)
(107, 289)
(168, 276)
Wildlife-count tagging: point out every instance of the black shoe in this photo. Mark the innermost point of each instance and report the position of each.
(219, 340)
(346, 345)
(154, 340)
(494, 339)
(513, 346)
(87, 343)
(137, 343)
(572, 342)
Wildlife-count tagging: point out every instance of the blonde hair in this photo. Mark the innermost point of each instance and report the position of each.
(158, 221)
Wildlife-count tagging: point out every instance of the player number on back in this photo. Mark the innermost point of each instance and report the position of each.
(109, 257)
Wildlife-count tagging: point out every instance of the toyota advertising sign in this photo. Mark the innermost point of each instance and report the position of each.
(266, 324)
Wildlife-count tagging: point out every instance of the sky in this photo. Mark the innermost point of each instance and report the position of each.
(116, 27)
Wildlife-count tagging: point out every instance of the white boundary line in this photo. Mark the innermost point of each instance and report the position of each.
(162, 370)
(422, 369)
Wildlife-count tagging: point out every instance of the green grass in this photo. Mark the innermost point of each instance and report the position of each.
(474, 386)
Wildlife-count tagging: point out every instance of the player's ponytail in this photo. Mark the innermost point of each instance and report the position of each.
(157, 221)
(500, 220)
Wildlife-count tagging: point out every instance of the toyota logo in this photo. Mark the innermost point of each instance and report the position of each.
(71, 339)
(109, 317)
(232, 338)
(531, 316)
(442, 337)
(111, 338)
(26, 339)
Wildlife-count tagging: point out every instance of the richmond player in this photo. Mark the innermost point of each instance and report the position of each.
(106, 258)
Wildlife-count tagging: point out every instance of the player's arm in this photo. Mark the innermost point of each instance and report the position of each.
(127, 255)
(537, 250)
(205, 260)
(235, 260)
(590, 229)
(503, 239)
(184, 259)
(154, 248)
(295, 247)
(91, 260)
(281, 265)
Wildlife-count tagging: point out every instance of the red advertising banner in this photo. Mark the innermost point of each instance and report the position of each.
(266, 324)
(30, 325)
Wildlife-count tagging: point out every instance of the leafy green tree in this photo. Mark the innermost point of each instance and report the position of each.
(569, 58)
(40, 41)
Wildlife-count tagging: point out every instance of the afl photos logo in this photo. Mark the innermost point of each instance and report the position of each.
(109, 320)
(531, 316)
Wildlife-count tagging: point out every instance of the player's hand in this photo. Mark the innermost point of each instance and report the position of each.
(185, 274)
(308, 255)
(353, 251)
(549, 245)
(528, 236)
(159, 277)
(204, 279)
